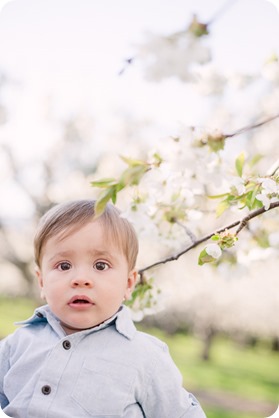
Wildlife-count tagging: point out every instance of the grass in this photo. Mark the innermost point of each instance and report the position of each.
(12, 310)
(221, 413)
(250, 373)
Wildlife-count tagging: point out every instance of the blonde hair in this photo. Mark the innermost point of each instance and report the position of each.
(67, 217)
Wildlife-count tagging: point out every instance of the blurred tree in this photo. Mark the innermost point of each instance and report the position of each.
(58, 175)
(170, 194)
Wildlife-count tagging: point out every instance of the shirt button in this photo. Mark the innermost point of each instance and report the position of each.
(46, 390)
(66, 344)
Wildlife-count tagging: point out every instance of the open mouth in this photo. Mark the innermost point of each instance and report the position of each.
(79, 300)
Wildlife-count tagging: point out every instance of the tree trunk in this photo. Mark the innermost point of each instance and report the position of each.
(275, 344)
(207, 344)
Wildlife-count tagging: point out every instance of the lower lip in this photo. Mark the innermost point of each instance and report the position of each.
(81, 306)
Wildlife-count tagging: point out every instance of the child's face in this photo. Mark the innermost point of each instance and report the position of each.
(84, 278)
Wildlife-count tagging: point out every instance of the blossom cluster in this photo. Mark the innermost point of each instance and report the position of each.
(269, 191)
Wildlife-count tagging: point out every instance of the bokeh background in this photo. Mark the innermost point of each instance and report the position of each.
(75, 93)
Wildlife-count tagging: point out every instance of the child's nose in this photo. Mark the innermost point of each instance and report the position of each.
(82, 282)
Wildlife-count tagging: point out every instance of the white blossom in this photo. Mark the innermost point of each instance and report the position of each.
(269, 192)
(140, 218)
(172, 55)
(269, 185)
(237, 184)
(209, 81)
(266, 200)
(213, 250)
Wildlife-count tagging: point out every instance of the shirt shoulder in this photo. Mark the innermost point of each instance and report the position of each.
(34, 332)
(148, 341)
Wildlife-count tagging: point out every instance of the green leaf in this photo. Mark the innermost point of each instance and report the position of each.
(224, 205)
(101, 202)
(114, 195)
(215, 237)
(106, 182)
(133, 163)
(251, 202)
(205, 258)
(239, 164)
(256, 158)
(143, 296)
(218, 196)
(132, 175)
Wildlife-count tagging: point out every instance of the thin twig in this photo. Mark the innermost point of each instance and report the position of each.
(187, 230)
(273, 168)
(254, 214)
(221, 11)
(242, 223)
(126, 64)
(249, 127)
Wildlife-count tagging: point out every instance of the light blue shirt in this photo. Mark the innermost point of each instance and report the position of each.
(109, 371)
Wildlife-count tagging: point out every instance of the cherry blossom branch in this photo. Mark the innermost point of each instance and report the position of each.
(221, 11)
(253, 126)
(273, 168)
(203, 26)
(188, 232)
(242, 223)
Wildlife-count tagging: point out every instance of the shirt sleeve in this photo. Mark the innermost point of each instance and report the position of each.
(165, 395)
(4, 367)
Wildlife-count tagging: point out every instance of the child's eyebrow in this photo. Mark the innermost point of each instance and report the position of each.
(102, 253)
(61, 254)
(92, 252)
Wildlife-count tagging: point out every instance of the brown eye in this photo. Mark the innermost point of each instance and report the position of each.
(64, 266)
(101, 265)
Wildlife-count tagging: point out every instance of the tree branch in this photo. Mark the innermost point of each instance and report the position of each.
(221, 11)
(273, 168)
(253, 126)
(188, 232)
(242, 224)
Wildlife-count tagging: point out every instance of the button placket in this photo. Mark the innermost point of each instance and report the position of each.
(46, 389)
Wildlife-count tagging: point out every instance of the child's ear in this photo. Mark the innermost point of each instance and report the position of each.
(40, 281)
(131, 282)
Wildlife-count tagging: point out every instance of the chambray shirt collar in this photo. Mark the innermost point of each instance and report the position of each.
(122, 321)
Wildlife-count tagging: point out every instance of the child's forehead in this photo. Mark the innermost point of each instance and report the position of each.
(79, 227)
(91, 238)
(94, 233)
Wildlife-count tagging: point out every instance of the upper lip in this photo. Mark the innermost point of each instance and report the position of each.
(80, 297)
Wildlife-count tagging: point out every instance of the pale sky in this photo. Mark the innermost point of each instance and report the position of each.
(72, 51)
(75, 48)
